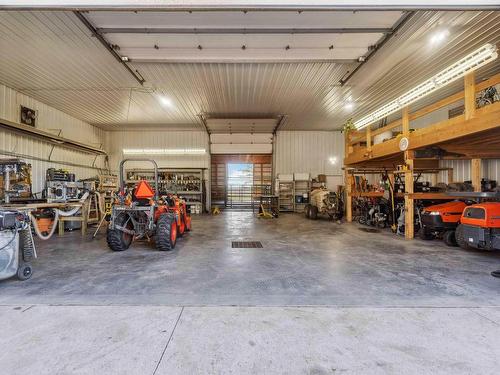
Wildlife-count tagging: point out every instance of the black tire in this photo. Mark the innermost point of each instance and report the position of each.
(449, 238)
(459, 237)
(180, 232)
(24, 271)
(164, 226)
(313, 213)
(118, 240)
(307, 211)
(26, 246)
(425, 234)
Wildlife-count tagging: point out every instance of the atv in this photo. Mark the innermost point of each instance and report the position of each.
(479, 227)
(144, 214)
(442, 220)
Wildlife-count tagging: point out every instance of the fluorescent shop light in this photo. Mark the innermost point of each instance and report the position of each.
(469, 63)
(164, 151)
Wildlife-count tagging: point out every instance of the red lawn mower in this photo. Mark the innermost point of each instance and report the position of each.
(480, 227)
(143, 214)
(441, 220)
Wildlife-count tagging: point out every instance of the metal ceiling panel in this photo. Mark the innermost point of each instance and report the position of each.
(52, 57)
(250, 90)
(409, 58)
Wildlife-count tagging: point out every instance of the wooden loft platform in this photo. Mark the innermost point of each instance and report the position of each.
(474, 135)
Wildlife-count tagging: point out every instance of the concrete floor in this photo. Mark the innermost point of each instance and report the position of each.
(318, 298)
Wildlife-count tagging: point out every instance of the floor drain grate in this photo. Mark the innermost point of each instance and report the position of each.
(246, 245)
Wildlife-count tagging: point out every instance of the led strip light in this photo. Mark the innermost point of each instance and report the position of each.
(469, 63)
(164, 151)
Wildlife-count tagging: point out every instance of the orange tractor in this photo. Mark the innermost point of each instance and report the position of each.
(441, 220)
(480, 227)
(144, 214)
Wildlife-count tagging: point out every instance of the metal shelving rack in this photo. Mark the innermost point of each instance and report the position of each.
(186, 183)
(286, 194)
(301, 187)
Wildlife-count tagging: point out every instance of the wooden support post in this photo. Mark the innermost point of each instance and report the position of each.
(470, 95)
(450, 176)
(369, 138)
(408, 157)
(476, 174)
(348, 196)
(434, 179)
(405, 121)
(409, 203)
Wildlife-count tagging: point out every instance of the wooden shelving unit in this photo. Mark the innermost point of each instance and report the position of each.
(186, 183)
(474, 135)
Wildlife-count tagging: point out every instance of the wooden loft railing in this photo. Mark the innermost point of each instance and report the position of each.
(475, 134)
(482, 119)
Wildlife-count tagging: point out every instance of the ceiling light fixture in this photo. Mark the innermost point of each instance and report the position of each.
(469, 63)
(333, 160)
(349, 106)
(439, 36)
(165, 101)
(125, 58)
(164, 151)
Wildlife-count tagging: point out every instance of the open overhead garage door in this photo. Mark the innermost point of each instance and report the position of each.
(241, 143)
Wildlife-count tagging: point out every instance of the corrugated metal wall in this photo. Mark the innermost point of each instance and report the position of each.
(37, 152)
(310, 152)
(116, 141)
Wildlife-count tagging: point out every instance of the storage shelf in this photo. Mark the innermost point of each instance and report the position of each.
(177, 186)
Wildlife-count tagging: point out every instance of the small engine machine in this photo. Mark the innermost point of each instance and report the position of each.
(16, 245)
(61, 186)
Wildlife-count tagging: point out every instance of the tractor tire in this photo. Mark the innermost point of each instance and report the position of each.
(26, 247)
(188, 223)
(313, 213)
(182, 226)
(459, 237)
(307, 211)
(449, 238)
(425, 234)
(118, 240)
(166, 232)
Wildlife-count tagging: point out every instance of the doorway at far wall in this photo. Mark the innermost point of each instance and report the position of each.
(237, 181)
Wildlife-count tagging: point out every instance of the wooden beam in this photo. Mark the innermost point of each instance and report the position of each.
(405, 121)
(409, 203)
(486, 118)
(450, 176)
(476, 174)
(368, 138)
(348, 196)
(388, 127)
(492, 81)
(470, 95)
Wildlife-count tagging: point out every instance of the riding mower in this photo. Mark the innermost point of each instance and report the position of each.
(480, 227)
(143, 214)
(442, 220)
